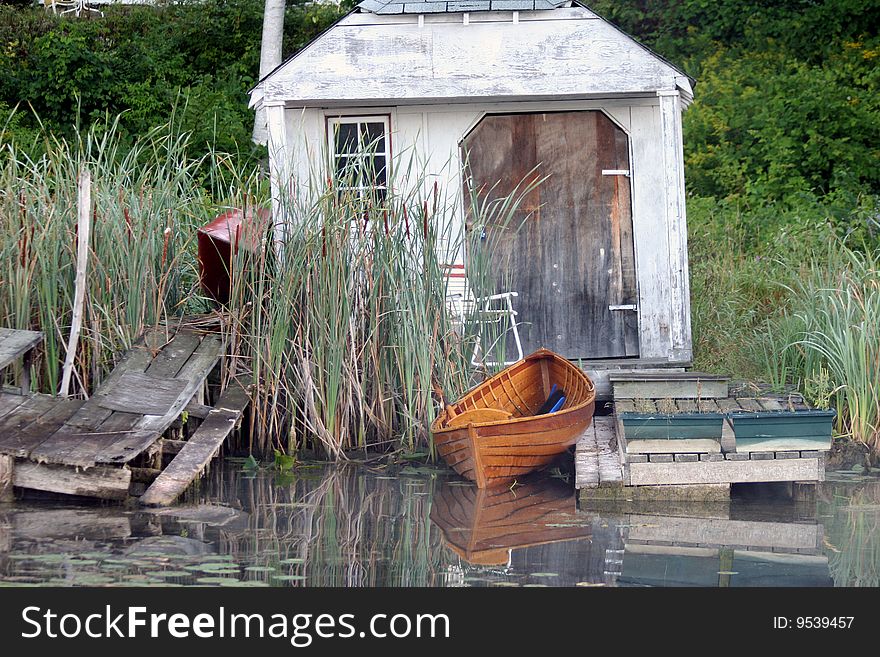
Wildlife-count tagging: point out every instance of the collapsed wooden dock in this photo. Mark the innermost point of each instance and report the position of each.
(110, 445)
(607, 466)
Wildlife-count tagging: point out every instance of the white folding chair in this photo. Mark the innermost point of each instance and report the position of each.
(494, 309)
(71, 6)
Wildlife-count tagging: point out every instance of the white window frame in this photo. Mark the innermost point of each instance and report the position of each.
(385, 120)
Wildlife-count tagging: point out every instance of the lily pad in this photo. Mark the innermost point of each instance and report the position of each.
(168, 574)
(216, 580)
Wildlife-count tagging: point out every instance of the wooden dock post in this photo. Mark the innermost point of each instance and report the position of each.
(7, 463)
(83, 225)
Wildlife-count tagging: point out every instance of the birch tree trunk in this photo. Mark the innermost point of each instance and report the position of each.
(270, 57)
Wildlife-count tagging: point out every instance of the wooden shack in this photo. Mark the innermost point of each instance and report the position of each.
(600, 266)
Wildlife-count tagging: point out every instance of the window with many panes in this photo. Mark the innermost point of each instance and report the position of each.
(359, 146)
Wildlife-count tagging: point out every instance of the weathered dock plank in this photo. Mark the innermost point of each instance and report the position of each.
(199, 449)
(586, 457)
(752, 405)
(610, 470)
(14, 344)
(56, 412)
(145, 432)
(9, 402)
(107, 483)
(77, 447)
(13, 424)
(770, 404)
(169, 361)
(129, 396)
(136, 359)
(727, 471)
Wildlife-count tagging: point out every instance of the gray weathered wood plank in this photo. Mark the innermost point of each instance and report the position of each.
(108, 483)
(586, 457)
(15, 343)
(22, 442)
(13, 423)
(174, 355)
(135, 392)
(727, 404)
(194, 373)
(77, 447)
(9, 402)
(136, 359)
(750, 404)
(770, 404)
(610, 470)
(199, 449)
(727, 471)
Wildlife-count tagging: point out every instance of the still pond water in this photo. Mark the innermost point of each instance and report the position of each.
(355, 526)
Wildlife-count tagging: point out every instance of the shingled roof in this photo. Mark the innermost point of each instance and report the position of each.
(456, 6)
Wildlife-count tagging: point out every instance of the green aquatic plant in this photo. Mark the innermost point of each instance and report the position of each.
(839, 309)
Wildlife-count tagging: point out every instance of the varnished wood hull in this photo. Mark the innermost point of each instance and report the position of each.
(483, 525)
(496, 453)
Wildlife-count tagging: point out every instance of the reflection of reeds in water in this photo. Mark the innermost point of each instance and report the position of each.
(335, 527)
(854, 537)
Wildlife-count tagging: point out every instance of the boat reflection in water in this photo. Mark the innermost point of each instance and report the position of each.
(484, 525)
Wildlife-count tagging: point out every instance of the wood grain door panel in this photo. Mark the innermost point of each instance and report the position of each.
(573, 256)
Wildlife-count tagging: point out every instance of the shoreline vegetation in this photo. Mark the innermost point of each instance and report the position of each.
(783, 214)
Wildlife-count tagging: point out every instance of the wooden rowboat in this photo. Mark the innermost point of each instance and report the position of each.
(482, 525)
(493, 434)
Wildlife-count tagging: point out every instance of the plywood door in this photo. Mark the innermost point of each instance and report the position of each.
(572, 260)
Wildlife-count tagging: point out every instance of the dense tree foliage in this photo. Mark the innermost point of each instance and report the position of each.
(786, 123)
(194, 58)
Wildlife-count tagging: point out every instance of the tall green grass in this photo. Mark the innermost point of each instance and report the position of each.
(839, 308)
(338, 311)
(341, 310)
(794, 315)
(141, 266)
